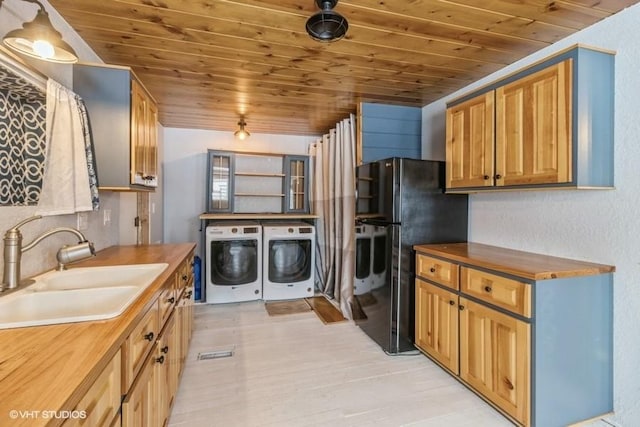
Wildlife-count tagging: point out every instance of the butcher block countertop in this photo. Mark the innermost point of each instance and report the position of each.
(50, 368)
(518, 263)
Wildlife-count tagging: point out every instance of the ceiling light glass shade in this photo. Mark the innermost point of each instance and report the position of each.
(38, 39)
(327, 25)
(242, 133)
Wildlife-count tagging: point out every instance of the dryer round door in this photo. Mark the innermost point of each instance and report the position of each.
(289, 260)
(234, 262)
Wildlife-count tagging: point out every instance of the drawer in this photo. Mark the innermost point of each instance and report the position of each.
(101, 404)
(166, 302)
(497, 290)
(137, 345)
(437, 270)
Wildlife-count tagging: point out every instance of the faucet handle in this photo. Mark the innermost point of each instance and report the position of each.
(24, 221)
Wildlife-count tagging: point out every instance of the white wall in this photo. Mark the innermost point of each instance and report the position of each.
(184, 167)
(599, 226)
(12, 15)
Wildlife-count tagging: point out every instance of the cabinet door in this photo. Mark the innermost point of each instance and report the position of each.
(220, 182)
(138, 131)
(470, 142)
(296, 185)
(140, 406)
(533, 128)
(151, 139)
(494, 357)
(437, 324)
(166, 382)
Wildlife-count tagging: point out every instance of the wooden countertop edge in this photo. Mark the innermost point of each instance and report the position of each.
(528, 265)
(103, 337)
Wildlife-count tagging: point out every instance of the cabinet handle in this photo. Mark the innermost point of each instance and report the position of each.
(486, 177)
(160, 359)
(508, 383)
(171, 300)
(452, 302)
(148, 177)
(184, 278)
(165, 349)
(149, 336)
(187, 295)
(432, 269)
(487, 288)
(498, 176)
(461, 307)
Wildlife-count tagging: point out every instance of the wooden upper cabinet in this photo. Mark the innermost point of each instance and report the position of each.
(123, 118)
(533, 128)
(549, 125)
(470, 142)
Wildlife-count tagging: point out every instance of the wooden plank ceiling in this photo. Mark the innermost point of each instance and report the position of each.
(208, 62)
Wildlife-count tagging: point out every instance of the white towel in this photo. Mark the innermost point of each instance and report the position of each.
(66, 182)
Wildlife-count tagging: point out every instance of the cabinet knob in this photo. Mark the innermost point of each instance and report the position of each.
(432, 269)
(184, 278)
(160, 359)
(149, 336)
(487, 288)
(486, 177)
(508, 383)
(165, 349)
(461, 307)
(171, 300)
(187, 295)
(452, 302)
(498, 176)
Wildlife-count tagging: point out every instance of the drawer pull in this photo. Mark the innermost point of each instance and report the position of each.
(487, 288)
(165, 349)
(184, 278)
(452, 302)
(486, 177)
(432, 269)
(160, 359)
(187, 295)
(171, 300)
(149, 336)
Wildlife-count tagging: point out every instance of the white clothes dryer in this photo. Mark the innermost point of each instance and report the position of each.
(289, 260)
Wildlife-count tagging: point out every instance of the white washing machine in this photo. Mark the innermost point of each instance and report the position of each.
(378, 256)
(362, 272)
(289, 260)
(233, 262)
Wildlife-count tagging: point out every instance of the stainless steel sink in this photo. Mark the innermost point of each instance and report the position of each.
(77, 295)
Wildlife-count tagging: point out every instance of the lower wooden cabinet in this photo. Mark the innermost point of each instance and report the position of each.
(437, 324)
(167, 359)
(531, 334)
(140, 406)
(494, 357)
(101, 404)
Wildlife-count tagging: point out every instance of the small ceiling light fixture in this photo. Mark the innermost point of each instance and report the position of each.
(242, 133)
(38, 39)
(327, 26)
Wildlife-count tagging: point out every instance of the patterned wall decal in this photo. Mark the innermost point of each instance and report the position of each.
(22, 140)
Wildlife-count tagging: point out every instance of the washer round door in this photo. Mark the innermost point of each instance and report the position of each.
(234, 262)
(289, 260)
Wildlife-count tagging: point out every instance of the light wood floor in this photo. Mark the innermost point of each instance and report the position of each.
(293, 370)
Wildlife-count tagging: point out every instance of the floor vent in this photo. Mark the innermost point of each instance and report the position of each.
(215, 354)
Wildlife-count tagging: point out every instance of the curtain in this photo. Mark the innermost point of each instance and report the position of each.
(70, 178)
(334, 200)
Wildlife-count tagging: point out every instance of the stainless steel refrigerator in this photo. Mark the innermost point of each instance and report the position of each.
(406, 197)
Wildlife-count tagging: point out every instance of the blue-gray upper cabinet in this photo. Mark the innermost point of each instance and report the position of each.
(240, 183)
(123, 118)
(549, 125)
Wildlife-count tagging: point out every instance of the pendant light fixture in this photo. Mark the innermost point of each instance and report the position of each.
(327, 26)
(38, 39)
(242, 133)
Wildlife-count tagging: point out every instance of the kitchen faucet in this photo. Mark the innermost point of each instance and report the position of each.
(13, 251)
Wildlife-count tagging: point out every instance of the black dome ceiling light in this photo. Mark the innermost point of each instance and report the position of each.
(327, 25)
